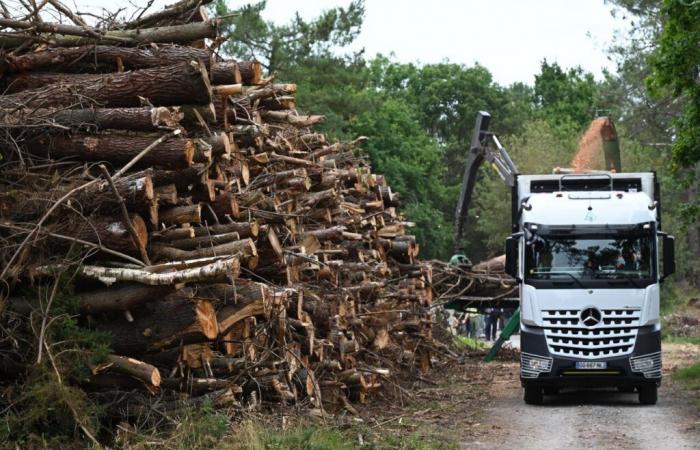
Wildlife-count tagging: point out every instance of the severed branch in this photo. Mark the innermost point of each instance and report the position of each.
(125, 214)
(110, 275)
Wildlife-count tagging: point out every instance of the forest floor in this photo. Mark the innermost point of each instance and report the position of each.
(478, 405)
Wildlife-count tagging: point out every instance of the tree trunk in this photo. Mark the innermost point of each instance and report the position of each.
(112, 233)
(163, 86)
(181, 215)
(122, 297)
(184, 33)
(209, 270)
(244, 229)
(98, 58)
(183, 178)
(173, 153)
(243, 249)
(251, 72)
(167, 323)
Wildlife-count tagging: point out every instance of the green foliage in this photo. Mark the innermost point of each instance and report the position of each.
(468, 343)
(689, 376)
(280, 47)
(48, 411)
(675, 63)
(564, 97)
(50, 408)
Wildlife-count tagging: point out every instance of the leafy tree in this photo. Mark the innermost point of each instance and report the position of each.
(676, 65)
(279, 47)
(566, 96)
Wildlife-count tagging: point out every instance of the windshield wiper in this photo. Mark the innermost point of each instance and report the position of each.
(576, 280)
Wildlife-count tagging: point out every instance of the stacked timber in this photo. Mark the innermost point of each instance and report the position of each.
(226, 249)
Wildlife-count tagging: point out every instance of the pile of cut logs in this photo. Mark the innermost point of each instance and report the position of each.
(226, 249)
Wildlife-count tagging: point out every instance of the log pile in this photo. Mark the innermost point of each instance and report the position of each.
(226, 249)
(481, 285)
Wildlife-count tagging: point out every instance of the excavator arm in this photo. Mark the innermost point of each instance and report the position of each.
(485, 146)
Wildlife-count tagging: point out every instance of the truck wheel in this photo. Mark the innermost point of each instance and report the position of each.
(533, 395)
(648, 394)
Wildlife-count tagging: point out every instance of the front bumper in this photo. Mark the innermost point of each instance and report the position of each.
(561, 371)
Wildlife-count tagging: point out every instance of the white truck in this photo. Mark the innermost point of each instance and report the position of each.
(589, 255)
(586, 256)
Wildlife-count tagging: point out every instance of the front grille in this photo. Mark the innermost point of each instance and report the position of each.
(614, 335)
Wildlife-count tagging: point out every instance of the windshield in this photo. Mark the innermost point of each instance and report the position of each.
(589, 258)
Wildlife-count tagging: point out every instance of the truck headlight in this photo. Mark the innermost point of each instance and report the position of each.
(533, 365)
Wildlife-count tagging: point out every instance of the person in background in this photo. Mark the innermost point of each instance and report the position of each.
(492, 316)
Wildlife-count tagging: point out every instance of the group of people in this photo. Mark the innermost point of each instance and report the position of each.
(484, 324)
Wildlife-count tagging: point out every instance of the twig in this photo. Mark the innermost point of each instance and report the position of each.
(79, 241)
(70, 193)
(45, 315)
(125, 214)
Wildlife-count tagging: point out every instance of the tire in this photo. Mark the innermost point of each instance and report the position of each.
(625, 389)
(533, 395)
(648, 394)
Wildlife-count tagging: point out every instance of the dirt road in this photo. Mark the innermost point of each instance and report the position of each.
(589, 419)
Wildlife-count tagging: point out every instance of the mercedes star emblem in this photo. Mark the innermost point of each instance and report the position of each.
(591, 317)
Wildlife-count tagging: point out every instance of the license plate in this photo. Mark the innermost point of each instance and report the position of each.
(591, 365)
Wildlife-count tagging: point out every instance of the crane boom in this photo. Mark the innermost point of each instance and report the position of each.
(485, 145)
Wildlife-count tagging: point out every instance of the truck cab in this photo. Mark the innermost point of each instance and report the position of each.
(589, 256)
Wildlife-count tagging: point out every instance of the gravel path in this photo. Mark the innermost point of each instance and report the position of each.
(597, 419)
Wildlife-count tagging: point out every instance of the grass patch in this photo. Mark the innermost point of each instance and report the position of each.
(468, 343)
(208, 429)
(329, 438)
(672, 339)
(690, 376)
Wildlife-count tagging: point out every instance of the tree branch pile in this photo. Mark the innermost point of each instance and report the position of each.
(223, 247)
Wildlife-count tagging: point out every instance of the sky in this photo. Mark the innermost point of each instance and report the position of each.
(509, 37)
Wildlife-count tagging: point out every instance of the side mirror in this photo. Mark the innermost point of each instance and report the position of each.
(669, 255)
(512, 256)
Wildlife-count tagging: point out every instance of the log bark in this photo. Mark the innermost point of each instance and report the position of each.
(122, 297)
(244, 229)
(159, 325)
(251, 72)
(105, 58)
(211, 271)
(182, 178)
(112, 233)
(204, 241)
(181, 215)
(134, 368)
(163, 86)
(225, 72)
(184, 33)
(243, 249)
(118, 149)
(134, 119)
(166, 195)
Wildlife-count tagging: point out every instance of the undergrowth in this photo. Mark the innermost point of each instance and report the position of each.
(468, 343)
(45, 407)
